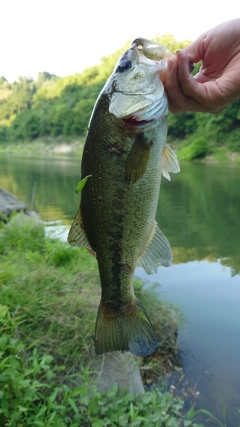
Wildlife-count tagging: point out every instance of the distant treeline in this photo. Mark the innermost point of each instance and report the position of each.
(52, 106)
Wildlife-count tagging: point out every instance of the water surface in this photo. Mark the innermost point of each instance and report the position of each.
(199, 211)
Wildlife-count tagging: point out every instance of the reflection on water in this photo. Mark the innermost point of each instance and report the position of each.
(45, 185)
(209, 297)
(199, 213)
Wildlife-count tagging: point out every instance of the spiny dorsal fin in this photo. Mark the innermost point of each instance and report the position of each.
(137, 159)
(157, 251)
(76, 235)
(169, 162)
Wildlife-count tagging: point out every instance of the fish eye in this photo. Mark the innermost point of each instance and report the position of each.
(124, 65)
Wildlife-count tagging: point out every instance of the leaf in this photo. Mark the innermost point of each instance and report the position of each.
(41, 411)
(54, 395)
(98, 423)
(81, 184)
(113, 389)
(204, 411)
(191, 413)
(131, 411)
(22, 408)
(73, 405)
(3, 310)
(52, 417)
(77, 391)
(171, 422)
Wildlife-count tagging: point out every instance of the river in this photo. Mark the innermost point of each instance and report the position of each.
(199, 211)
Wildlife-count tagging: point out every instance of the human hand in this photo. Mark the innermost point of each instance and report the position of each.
(218, 82)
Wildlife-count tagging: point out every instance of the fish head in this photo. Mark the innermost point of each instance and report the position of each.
(135, 89)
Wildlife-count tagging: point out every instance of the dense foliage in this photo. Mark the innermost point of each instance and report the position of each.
(52, 106)
(196, 150)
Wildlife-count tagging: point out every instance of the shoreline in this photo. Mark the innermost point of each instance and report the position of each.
(45, 146)
(73, 147)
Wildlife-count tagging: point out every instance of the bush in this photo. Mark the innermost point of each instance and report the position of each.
(3, 133)
(23, 233)
(196, 150)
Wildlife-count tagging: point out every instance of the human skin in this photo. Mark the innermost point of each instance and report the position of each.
(217, 83)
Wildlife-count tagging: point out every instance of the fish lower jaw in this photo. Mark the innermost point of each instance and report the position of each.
(132, 122)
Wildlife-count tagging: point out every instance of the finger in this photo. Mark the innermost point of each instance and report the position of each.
(178, 101)
(202, 78)
(199, 87)
(205, 91)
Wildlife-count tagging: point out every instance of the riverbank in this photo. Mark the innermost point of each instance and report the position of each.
(73, 147)
(59, 146)
(49, 294)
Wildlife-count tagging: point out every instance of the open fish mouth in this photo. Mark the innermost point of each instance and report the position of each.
(138, 98)
(146, 115)
(134, 122)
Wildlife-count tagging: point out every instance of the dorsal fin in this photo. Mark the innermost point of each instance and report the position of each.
(169, 162)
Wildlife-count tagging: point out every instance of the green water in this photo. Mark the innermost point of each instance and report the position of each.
(199, 211)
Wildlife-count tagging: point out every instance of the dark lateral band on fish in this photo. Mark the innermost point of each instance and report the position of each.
(125, 154)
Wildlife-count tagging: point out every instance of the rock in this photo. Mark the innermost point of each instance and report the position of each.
(21, 219)
(120, 368)
(9, 203)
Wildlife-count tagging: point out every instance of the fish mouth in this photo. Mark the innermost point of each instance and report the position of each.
(133, 122)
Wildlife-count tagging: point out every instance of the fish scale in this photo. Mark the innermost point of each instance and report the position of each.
(124, 156)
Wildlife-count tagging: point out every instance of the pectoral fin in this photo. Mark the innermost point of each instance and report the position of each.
(137, 159)
(157, 251)
(169, 162)
(77, 236)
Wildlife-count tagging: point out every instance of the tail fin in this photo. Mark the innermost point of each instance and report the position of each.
(129, 331)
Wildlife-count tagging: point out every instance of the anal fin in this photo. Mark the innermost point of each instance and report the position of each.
(157, 251)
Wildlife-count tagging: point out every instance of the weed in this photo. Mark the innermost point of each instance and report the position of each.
(32, 394)
(49, 294)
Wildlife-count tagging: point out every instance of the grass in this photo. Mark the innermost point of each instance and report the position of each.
(56, 290)
(50, 285)
(49, 295)
(32, 395)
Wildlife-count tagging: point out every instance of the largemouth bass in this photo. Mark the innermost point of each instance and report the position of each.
(124, 156)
